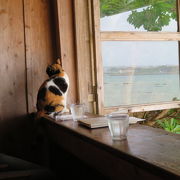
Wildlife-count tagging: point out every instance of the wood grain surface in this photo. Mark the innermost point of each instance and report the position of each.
(12, 59)
(39, 46)
(147, 151)
(67, 44)
(83, 44)
(139, 36)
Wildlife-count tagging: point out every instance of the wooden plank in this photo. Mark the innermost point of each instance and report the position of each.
(98, 58)
(147, 152)
(67, 44)
(144, 107)
(178, 14)
(83, 52)
(92, 95)
(139, 36)
(12, 58)
(178, 21)
(39, 45)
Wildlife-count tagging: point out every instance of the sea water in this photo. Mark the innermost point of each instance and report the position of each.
(140, 89)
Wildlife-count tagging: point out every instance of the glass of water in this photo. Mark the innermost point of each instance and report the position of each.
(118, 125)
(77, 111)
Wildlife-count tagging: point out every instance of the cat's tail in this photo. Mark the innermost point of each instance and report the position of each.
(51, 111)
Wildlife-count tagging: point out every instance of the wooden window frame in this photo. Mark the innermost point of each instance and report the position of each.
(100, 36)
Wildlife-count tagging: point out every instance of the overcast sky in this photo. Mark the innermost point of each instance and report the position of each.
(137, 53)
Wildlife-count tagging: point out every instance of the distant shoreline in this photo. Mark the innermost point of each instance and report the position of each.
(148, 70)
(128, 74)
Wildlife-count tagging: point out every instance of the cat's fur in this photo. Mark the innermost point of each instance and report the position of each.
(52, 95)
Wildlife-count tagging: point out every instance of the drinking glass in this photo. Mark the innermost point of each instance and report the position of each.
(118, 125)
(77, 111)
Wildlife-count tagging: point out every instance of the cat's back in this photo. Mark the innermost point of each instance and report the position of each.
(62, 82)
(52, 90)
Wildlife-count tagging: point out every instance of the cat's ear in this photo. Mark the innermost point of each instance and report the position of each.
(58, 61)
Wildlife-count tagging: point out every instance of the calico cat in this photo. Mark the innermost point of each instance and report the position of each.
(52, 95)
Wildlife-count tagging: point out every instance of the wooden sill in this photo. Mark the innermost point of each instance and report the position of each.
(147, 153)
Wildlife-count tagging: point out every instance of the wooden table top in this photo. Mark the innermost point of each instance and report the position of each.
(144, 145)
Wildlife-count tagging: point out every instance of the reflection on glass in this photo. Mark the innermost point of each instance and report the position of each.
(138, 15)
(140, 72)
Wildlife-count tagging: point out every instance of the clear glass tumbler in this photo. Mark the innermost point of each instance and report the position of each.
(77, 111)
(118, 125)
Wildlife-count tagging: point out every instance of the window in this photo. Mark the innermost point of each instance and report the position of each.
(137, 54)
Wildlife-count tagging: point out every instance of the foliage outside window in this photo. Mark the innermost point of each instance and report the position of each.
(153, 15)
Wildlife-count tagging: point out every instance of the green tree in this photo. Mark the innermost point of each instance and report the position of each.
(155, 13)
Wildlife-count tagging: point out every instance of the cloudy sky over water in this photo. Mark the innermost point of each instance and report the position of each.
(137, 53)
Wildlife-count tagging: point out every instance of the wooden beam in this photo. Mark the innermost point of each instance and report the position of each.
(144, 107)
(178, 14)
(67, 44)
(98, 57)
(139, 36)
(83, 52)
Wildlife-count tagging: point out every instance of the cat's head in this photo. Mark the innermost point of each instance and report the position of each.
(55, 68)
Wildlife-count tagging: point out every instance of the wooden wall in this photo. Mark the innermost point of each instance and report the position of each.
(12, 58)
(66, 38)
(27, 46)
(39, 43)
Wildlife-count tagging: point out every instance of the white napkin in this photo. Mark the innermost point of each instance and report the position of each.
(65, 117)
(133, 120)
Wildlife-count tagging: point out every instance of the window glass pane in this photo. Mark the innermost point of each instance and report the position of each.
(138, 15)
(140, 72)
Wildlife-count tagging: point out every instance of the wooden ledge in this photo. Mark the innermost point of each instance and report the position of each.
(147, 153)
